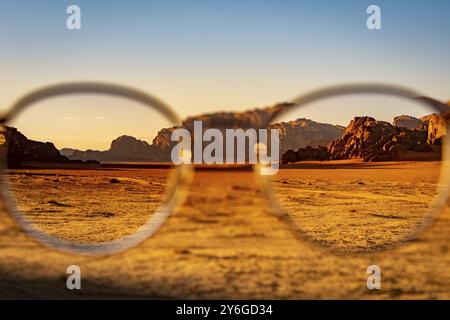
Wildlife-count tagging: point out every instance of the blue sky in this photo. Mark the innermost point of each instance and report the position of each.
(203, 56)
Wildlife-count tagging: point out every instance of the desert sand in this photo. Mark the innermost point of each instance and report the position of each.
(88, 206)
(226, 242)
(358, 206)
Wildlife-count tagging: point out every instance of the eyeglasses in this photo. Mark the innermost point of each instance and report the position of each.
(88, 167)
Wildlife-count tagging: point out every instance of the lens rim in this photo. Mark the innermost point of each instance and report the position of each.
(443, 188)
(175, 196)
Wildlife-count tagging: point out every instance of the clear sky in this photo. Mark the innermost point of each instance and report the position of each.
(203, 56)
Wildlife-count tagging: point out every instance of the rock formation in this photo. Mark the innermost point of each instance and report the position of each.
(20, 149)
(436, 127)
(364, 138)
(293, 134)
(408, 122)
(162, 145)
(302, 133)
(66, 151)
(371, 140)
(308, 153)
(125, 148)
(162, 139)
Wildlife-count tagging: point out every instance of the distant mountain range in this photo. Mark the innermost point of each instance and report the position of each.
(124, 148)
(294, 135)
(302, 133)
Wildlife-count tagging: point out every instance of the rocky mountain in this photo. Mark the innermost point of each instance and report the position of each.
(20, 149)
(364, 137)
(302, 133)
(66, 151)
(293, 134)
(436, 128)
(125, 148)
(408, 122)
(256, 118)
(23, 152)
(371, 140)
(162, 139)
(432, 123)
(436, 125)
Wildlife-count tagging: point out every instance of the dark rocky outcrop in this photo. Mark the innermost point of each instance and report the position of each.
(289, 156)
(371, 140)
(303, 154)
(20, 150)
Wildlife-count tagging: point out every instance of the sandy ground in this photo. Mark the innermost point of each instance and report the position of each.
(225, 242)
(357, 206)
(88, 206)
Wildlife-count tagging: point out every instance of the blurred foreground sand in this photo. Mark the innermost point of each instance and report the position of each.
(224, 242)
